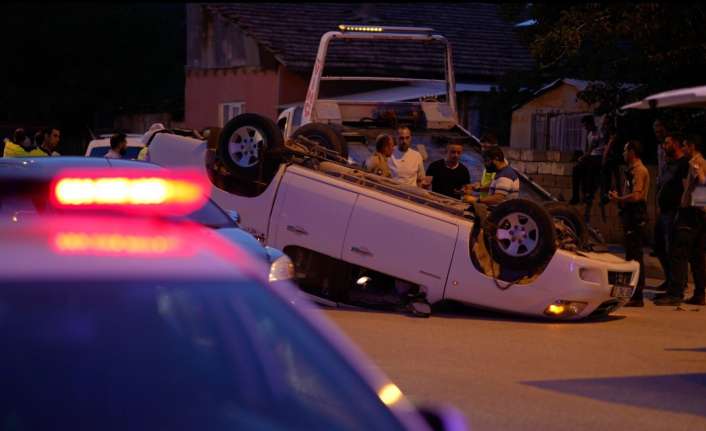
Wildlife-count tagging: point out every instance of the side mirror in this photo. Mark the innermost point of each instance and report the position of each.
(443, 418)
(235, 216)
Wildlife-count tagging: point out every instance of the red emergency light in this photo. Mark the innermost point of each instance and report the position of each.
(175, 192)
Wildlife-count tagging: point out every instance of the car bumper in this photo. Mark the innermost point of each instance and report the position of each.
(569, 282)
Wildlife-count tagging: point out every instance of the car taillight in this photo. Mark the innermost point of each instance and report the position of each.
(176, 192)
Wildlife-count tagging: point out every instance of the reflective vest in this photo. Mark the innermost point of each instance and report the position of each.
(485, 181)
(14, 150)
(144, 154)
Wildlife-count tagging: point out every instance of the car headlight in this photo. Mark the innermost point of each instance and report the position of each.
(562, 308)
(281, 268)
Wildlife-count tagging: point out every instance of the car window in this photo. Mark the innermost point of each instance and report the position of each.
(132, 152)
(171, 355)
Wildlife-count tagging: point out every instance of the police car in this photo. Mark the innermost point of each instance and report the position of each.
(114, 314)
(25, 180)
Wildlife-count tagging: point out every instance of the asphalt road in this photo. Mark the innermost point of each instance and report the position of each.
(640, 369)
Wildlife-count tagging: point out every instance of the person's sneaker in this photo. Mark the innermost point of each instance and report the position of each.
(661, 288)
(635, 302)
(667, 300)
(696, 300)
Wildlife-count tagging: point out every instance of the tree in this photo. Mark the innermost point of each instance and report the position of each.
(658, 45)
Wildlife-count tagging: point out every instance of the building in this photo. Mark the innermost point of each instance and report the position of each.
(257, 57)
(551, 119)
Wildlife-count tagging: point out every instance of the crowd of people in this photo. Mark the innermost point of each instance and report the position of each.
(680, 226)
(42, 144)
(45, 141)
(447, 176)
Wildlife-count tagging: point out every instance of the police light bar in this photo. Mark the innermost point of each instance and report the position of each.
(384, 29)
(177, 192)
(116, 244)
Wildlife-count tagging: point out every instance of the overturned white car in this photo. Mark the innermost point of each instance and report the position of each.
(350, 232)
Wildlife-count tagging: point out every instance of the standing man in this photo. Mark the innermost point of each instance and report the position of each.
(660, 129)
(118, 146)
(633, 212)
(670, 187)
(406, 164)
(487, 141)
(587, 169)
(449, 175)
(378, 162)
(52, 135)
(689, 238)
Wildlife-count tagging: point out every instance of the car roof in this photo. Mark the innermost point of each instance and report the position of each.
(47, 167)
(71, 247)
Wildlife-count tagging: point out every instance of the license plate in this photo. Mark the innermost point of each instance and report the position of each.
(622, 291)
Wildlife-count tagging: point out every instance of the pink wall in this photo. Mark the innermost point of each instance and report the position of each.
(205, 90)
(292, 87)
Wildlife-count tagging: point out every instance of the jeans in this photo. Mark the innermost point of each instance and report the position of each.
(663, 238)
(687, 247)
(609, 172)
(634, 220)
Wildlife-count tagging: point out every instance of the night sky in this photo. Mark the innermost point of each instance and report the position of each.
(84, 63)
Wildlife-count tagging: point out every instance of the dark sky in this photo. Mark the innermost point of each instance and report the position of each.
(79, 62)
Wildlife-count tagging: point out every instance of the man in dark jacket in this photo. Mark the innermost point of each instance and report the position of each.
(670, 187)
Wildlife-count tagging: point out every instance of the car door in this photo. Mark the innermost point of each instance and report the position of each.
(401, 242)
(311, 213)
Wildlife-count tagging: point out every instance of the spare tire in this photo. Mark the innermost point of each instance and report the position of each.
(246, 142)
(520, 234)
(328, 136)
(570, 217)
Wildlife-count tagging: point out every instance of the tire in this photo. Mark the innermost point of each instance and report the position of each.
(247, 142)
(571, 218)
(328, 136)
(534, 240)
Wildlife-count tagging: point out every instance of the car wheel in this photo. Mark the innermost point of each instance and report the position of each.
(571, 218)
(328, 136)
(246, 142)
(520, 234)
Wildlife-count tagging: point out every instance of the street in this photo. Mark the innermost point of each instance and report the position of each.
(639, 369)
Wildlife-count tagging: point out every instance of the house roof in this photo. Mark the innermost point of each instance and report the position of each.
(483, 44)
(578, 84)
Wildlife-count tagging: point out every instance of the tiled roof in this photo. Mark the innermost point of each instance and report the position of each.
(483, 44)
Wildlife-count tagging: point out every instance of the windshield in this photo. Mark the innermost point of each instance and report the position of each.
(171, 355)
(132, 152)
(353, 62)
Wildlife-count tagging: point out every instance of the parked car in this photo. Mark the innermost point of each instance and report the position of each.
(97, 338)
(25, 182)
(99, 147)
(342, 226)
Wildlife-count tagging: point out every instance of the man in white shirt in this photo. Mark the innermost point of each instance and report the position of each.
(406, 164)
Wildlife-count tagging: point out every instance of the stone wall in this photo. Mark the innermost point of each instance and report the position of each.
(552, 171)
